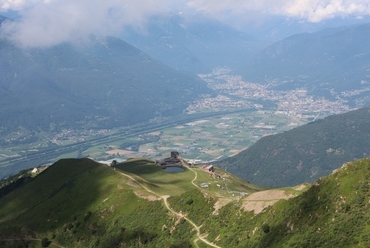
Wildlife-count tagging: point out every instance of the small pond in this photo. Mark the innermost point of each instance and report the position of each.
(174, 169)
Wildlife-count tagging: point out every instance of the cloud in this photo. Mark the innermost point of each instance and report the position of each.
(50, 22)
(310, 10)
(316, 10)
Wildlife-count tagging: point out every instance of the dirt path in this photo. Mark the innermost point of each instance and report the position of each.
(195, 178)
(144, 187)
(164, 197)
(196, 242)
(197, 228)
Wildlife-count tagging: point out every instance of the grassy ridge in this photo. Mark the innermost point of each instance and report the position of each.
(334, 212)
(68, 188)
(156, 179)
(77, 203)
(80, 203)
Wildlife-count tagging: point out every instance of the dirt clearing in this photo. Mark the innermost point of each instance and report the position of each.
(258, 201)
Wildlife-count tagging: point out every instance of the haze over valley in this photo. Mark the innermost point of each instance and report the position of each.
(241, 96)
(68, 89)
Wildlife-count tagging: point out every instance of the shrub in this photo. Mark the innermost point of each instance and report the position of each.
(265, 228)
(87, 216)
(45, 242)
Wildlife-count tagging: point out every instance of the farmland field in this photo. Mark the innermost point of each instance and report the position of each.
(201, 140)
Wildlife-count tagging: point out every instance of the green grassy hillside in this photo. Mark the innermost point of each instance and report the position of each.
(80, 203)
(333, 212)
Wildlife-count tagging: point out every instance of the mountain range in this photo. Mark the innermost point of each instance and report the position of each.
(194, 45)
(105, 83)
(108, 83)
(333, 63)
(276, 28)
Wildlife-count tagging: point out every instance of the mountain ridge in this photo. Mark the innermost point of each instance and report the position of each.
(90, 203)
(72, 191)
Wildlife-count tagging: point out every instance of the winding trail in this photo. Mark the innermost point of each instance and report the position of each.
(197, 228)
(164, 197)
(136, 181)
(195, 178)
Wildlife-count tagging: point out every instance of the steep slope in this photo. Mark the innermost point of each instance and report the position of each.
(333, 63)
(104, 83)
(306, 153)
(334, 212)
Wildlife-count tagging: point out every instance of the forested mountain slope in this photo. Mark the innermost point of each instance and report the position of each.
(106, 82)
(305, 153)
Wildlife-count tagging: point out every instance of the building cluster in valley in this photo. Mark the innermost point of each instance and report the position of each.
(236, 93)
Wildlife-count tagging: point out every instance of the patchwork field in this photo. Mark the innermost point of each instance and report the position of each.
(202, 140)
(205, 138)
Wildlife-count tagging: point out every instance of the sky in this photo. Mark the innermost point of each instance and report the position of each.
(50, 22)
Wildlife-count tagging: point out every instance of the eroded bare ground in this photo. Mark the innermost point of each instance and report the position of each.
(300, 187)
(258, 201)
(220, 203)
(146, 196)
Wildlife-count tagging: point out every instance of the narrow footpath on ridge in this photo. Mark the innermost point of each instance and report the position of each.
(195, 178)
(164, 197)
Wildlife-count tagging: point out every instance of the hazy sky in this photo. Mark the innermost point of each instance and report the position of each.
(49, 22)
